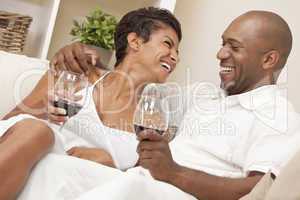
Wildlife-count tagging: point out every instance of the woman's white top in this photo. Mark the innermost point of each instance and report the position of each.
(86, 129)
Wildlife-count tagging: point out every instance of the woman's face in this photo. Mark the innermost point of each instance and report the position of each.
(158, 57)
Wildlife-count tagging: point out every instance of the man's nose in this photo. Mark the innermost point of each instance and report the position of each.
(223, 53)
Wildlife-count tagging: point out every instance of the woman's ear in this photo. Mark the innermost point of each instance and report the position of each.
(271, 59)
(134, 41)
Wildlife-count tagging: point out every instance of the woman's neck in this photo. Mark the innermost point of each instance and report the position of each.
(126, 80)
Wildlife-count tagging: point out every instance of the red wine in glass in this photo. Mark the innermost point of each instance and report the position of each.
(140, 128)
(70, 107)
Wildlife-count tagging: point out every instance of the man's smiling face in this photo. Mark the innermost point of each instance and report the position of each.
(241, 56)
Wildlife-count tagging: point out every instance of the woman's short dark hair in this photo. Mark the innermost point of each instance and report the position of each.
(143, 22)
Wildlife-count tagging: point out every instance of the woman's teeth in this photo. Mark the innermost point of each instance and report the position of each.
(166, 66)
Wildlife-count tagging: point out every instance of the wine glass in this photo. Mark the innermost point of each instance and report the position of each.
(152, 112)
(70, 91)
(174, 98)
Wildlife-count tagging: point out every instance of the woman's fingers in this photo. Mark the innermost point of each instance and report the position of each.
(55, 114)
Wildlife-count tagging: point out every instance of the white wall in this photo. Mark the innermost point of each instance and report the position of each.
(167, 4)
(203, 22)
(78, 9)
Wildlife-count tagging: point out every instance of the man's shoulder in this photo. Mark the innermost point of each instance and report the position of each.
(280, 115)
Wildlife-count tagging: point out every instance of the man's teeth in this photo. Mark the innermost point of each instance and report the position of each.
(166, 66)
(227, 69)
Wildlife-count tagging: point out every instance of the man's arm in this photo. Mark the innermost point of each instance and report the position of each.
(206, 186)
(155, 155)
(77, 57)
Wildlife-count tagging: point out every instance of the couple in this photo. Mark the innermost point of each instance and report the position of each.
(203, 161)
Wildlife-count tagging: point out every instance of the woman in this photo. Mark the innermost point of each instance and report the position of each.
(147, 51)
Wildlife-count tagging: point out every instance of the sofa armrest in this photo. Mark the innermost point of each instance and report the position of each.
(18, 77)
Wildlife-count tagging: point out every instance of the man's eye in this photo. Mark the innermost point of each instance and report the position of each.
(235, 48)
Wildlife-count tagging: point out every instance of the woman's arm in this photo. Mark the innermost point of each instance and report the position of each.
(35, 103)
(75, 57)
(92, 154)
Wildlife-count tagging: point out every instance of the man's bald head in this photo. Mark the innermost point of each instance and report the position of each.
(272, 31)
(255, 48)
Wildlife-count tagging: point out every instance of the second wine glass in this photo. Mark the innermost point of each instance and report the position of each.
(152, 112)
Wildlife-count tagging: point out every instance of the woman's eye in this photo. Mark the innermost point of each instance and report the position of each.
(168, 44)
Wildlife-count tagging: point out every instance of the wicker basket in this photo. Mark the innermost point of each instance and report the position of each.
(13, 31)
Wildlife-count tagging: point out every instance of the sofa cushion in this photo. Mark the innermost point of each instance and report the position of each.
(18, 77)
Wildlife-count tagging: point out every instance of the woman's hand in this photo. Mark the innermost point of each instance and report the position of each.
(92, 154)
(55, 115)
(76, 57)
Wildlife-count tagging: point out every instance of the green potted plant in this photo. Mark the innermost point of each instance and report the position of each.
(97, 29)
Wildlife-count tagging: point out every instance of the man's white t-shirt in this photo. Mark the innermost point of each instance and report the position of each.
(232, 136)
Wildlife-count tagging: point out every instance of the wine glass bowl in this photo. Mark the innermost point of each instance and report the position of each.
(151, 111)
(70, 91)
(166, 101)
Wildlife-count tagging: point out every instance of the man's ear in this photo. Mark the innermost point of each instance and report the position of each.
(270, 59)
(134, 41)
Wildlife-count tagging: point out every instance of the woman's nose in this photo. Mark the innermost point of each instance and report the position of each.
(175, 57)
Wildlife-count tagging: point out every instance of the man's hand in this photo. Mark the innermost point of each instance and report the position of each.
(155, 155)
(92, 154)
(76, 57)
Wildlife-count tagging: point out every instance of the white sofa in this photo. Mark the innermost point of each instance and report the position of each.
(18, 77)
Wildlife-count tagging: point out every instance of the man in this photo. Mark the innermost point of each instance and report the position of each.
(210, 162)
(255, 48)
